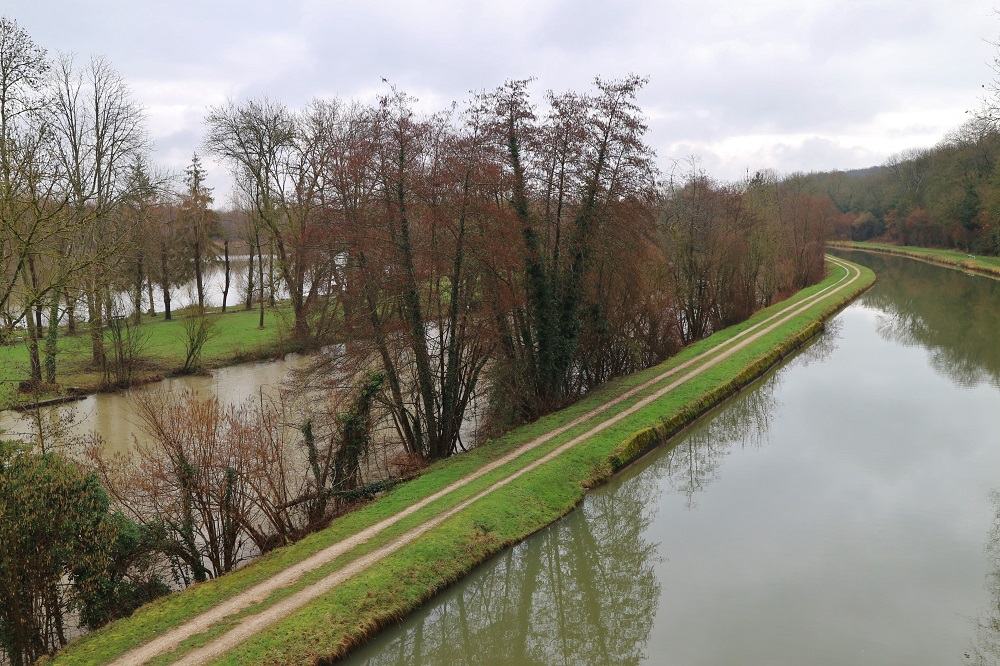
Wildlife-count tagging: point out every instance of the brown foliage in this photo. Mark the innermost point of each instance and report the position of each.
(211, 480)
(734, 248)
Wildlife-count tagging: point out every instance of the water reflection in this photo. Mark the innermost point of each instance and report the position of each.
(821, 347)
(986, 648)
(581, 592)
(585, 590)
(745, 422)
(113, 417)
(841, 507)
(951, 314)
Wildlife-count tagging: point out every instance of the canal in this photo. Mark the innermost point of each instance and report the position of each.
(843, 510)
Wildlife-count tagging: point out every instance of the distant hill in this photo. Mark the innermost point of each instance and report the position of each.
(864, 173)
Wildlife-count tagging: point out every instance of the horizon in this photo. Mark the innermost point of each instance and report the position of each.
(741, 88)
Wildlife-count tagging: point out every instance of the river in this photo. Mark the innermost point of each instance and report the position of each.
(843, 510)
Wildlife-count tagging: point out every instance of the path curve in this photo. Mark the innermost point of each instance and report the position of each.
(253, 624)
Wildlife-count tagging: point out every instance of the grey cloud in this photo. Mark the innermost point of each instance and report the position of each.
(720, 69)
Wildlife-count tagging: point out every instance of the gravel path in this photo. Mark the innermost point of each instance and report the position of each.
(252, 624)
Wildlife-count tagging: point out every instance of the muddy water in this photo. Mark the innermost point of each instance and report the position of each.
(113, 417)
(843, 511)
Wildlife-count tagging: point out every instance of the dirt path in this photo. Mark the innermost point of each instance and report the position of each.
(252, 624)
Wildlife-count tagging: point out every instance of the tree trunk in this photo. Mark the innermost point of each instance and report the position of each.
(225, 287)
(52, 337)
(260, 279)
(95, 322)
(36, 365)
(140, 278)
(270, 275)
(70, 315)
(165, 280)
(197, 274)
(249, 299)
(149, 289)
(414, 312)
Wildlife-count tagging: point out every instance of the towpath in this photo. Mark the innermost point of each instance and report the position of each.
(253, 623)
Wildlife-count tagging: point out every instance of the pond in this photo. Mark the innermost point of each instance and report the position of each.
(113, 415)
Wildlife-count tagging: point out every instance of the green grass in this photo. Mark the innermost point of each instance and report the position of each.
(236, 338)
(405, 579)
(989, 266)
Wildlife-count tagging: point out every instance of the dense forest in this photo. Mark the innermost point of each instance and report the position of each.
(524, 250)
(947, 196)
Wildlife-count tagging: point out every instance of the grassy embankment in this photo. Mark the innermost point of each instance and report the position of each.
(988, 266)
(345, 616)
(235, 339)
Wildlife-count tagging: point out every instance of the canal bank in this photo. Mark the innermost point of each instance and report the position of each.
(986, 266)
(432, 530)
(843, 510)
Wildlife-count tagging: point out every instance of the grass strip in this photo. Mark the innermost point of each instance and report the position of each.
(988, 266)
(236, 339)
(106, 644)
(350, 613)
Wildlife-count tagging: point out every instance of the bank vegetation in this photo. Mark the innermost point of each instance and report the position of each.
(513, 252)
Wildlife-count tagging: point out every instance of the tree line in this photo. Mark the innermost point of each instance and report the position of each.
(537, 248)
(89, 226)
(946, 196)
(508, 250)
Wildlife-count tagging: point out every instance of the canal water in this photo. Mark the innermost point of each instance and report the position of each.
(843, 510)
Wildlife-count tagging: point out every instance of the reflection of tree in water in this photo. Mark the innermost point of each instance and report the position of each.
(581, 592)
(744, 421)
(949, 313)
(821, 347)
(986, 650)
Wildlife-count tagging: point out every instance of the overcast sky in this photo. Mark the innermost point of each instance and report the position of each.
(794, 85)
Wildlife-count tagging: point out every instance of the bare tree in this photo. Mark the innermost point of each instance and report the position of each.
(33, 229)
(221, 484)
(198, 330)
(430, 219)
(280, 161)
(128, 341)
(572, 177)
(101, 134)
(258, 140)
